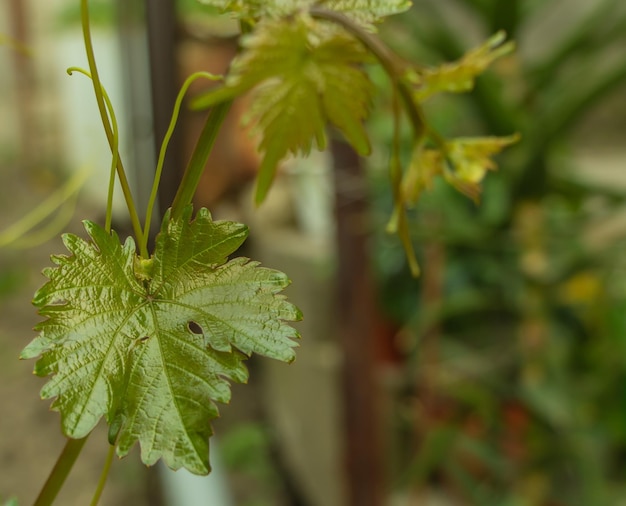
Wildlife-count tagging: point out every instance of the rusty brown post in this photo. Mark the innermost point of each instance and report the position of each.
(357, 318)
(25, 84)
(162, 38)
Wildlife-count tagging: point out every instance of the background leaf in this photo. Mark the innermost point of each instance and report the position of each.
(364, 12)
(306, 75)
(459, 76)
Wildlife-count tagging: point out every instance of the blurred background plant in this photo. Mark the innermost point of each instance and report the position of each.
(510, 367)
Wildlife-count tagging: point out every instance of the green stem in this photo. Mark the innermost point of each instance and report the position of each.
(396, 70)
(60, 471)
(103, 476)
(164, 144)
(191, 177)
(204, 145)
(130, 203)
(399, 218)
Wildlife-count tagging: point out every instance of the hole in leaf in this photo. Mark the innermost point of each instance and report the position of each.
(195, 328)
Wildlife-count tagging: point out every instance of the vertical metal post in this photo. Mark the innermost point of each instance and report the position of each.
(135, 70)
(25, 87)
(357, 318)
(161, 24)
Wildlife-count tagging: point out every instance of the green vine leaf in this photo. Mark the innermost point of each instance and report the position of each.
(459, 76)
(151, 344)
(471, 158)
(306, 74)
(464, 165)
(364, 12)
(425, 165)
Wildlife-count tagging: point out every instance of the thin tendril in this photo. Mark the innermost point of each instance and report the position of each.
(115, 157)
(130, 203)
(164, 144)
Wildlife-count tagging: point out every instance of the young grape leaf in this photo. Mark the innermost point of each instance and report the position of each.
(471, 159)
(151, 343)
(364, 12)
(466, 161)
(459, 76)
(425, 165)
(306, 74)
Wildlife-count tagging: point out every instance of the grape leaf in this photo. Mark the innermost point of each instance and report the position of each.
(466, 161)
(471, 159)
(459, 76)
(306, 75)
(364, 12)
(425, 165)
(152, 343)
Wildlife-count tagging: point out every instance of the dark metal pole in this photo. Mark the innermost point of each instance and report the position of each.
(358, 317)
(25, 82)
(161, 24)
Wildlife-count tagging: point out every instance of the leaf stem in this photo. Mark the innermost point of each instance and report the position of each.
(164, 144)
(103, 476)
(399, 218)
(121, 173)
(396, 70)
(191, 177)
(60, 471)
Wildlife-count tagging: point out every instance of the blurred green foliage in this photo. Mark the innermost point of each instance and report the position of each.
(101, 13)
(104, 13)
(246, 450)
(512, 346)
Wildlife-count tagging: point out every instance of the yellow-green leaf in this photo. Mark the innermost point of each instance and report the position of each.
(364, 12)
(471, 159)
(459, 76)
(306, 75)
(425, 165)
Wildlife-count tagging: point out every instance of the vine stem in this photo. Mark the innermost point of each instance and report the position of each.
(399, 218)
(191, 177)
(60, 471)
(103, 476)
(396, 70)
(204, 145)
(121, 173)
